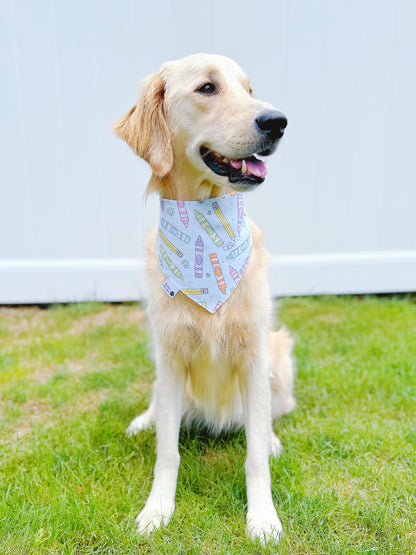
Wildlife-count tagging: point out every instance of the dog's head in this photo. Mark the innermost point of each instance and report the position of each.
(197, 121)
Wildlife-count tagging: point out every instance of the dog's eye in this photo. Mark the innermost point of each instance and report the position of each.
(207, 88)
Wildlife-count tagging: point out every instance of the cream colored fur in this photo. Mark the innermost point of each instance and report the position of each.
(226, 369)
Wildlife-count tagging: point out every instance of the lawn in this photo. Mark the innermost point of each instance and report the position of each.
(73, 377)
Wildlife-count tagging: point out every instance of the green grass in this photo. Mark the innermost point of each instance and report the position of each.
(72, 378)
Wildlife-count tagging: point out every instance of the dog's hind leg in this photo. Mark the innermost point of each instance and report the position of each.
(282, 372)
(144, 420)
(281, 380)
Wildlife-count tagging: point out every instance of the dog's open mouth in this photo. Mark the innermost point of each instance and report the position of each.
(250, 171)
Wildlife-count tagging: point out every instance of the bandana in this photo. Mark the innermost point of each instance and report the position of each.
(203, 247)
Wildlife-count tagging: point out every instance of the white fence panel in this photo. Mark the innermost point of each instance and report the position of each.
(338, 208)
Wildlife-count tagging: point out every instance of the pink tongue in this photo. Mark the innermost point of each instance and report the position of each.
(257, 168)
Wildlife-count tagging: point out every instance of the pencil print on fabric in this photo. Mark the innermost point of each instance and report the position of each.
(183, 213)
(170, 245)
(218, 305)
(218, 273)
(195, 291)
(199, 257)
(206, 226)
(172, 229)
(223, 219)
(169, 262)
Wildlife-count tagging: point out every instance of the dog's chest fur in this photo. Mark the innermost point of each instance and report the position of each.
(211, 348)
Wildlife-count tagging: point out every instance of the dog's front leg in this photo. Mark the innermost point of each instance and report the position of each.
(169, 404)
(262, 519)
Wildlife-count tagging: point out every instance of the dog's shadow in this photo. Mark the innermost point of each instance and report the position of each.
(211, 459)
(204, 438)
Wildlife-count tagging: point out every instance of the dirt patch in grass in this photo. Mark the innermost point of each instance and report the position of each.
(27, 324)
(138, 315)
(40, 411)
(90, 321)
(84, 365)
(34, 411)
(109, 316)
(43, 375)
(329, 318)
(141, 384)
(351, 488)
(71, 367)
(22, 320)
(86, 402)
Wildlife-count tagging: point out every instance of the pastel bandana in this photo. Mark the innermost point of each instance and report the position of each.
(204, 247)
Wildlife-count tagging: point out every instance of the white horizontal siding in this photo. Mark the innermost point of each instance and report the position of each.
(72, 220)
(75, 280)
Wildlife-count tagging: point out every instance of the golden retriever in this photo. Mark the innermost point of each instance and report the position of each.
(198, 126)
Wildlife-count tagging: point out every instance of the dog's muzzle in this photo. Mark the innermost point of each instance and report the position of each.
(249, 170)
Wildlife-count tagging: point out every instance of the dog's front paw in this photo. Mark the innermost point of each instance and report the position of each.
(264, 525)
(141, 422)
(153, 516)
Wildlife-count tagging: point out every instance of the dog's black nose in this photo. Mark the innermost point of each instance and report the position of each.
(272, 123)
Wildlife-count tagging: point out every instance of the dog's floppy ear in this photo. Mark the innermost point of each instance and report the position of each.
(144, 127)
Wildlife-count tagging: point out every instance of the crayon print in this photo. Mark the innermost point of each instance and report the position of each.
(240, 212)
(199, 256)
(195, 291)
(205, 225)
(244, 266)
(183, 213)
(236, 252)
(169, 262)
(170, 245)
(234, 274)
(182, 236)
(223, 219)
(218, 274)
